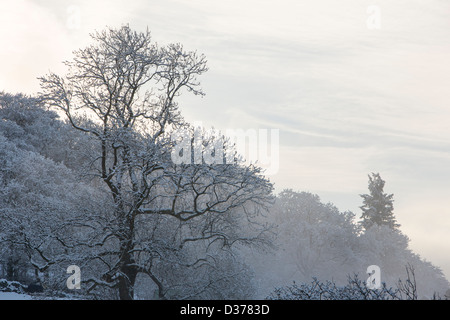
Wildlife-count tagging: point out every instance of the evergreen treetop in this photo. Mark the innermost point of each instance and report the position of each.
(377, 206)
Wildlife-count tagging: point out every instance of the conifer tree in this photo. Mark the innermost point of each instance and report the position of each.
(377, 206)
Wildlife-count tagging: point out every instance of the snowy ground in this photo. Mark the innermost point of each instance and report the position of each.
(13, 290)
(14, 296)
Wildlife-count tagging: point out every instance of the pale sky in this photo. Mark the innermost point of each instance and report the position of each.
(348, 99)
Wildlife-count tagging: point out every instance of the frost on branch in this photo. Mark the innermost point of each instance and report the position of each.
(122, 91)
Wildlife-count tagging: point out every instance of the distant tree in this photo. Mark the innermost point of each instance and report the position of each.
(314, 234)
(314, 239)
(377, 206)
(389, 249)
(31, 126)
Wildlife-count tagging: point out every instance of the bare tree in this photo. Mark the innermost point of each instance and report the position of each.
(354, 289)
(122, 90)
(408, 288)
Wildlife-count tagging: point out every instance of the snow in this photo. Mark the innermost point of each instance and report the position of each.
(14, 296)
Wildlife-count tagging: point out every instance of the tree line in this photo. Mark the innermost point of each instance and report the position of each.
(86, 179)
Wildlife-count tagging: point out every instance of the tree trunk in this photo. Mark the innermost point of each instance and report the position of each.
(128, 269)
(127, 279)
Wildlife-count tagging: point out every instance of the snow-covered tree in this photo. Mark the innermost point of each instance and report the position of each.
(122, 91)
(316, 235)
(30, 126)
(377, 206)
(314, 239)
(41, 203)
(389, 249)
(317, 241)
